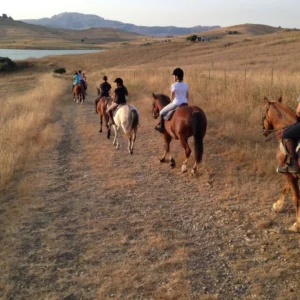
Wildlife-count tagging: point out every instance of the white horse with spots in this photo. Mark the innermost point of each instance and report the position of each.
(127, 118)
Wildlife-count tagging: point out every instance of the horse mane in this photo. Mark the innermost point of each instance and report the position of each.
(285, 108)
(164, 99)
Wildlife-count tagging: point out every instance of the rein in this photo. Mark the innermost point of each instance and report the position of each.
(264, 130)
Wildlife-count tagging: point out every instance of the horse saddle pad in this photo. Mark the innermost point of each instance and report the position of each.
(282, 148)
(168, 116)
(132, 107)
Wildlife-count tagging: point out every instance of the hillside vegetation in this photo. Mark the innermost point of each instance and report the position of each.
(16, 34)
(71, 20)
(248, 50)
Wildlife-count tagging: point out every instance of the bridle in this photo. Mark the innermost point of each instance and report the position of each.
(265, 118)
(155, 115)
(264, 130)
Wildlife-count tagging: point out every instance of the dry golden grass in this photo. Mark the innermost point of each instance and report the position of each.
(25, 120)
(90, 222)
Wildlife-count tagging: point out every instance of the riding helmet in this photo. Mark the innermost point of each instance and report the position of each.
(119, 80)
(178, 72)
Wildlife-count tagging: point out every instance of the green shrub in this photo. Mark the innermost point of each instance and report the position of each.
(192, 38)
(6, 64)
(60, 70)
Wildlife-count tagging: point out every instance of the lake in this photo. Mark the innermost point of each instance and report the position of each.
(19, 54)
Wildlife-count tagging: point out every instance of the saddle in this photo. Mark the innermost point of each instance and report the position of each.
(132, 107)
(168, 116)
(107, 99)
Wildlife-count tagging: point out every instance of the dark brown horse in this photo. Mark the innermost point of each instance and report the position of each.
(102, 105)
(276, 118)
(187, 121)
(78, 93)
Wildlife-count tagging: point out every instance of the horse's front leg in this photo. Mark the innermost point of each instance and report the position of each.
(167, 140)
(293, 180)
(187, 151)
(278, 205)
(101, 122)
(107, 125)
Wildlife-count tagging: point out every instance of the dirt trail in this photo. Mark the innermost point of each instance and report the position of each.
(89, 222)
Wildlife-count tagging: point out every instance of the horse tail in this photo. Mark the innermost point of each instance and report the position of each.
(199, 125)
(135, 119)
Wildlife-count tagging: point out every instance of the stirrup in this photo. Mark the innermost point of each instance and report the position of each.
(159, 129)
(288, 169)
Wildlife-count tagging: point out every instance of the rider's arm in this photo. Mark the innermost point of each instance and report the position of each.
(172, 95)
(115, 98)
(187, 95)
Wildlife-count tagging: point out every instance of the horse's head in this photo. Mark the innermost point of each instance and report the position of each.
(159, 101)
(267, 119)
(155, 107)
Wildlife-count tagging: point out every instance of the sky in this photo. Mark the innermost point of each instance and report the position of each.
(183, 13)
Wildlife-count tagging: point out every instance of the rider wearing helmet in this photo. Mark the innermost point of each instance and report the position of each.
(179, 95)
(76, 79)
(105, 88)
(120, 94)
(82, 81)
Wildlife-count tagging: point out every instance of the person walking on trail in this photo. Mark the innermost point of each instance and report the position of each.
(179, 95)
(120, 94)
(289, 140)
(105, 88)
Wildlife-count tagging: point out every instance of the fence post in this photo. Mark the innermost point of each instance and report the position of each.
(225, 79)
(245, 77)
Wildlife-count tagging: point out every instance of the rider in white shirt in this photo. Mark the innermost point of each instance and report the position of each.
(179, 95)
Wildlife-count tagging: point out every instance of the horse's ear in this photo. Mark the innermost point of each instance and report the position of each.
(266, 100)
(280, 99)
(153, 95)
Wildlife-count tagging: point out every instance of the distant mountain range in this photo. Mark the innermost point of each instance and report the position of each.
(82, 21)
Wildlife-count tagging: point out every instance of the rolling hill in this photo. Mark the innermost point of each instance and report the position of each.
(17, 34)
(83, 21)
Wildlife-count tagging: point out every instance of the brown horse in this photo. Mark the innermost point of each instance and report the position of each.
(187, 121)
(78, 93)
(102, 105)
(276, 118)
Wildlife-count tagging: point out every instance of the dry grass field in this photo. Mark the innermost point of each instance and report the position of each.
(81, 220)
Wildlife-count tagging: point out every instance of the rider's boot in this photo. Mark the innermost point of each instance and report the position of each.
(161, 126)
(291, 166)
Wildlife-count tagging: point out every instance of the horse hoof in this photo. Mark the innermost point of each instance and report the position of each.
(162, 160)
(172, 163)
(183, 168)
(276, 209)
(193, 172)
(295, 228)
